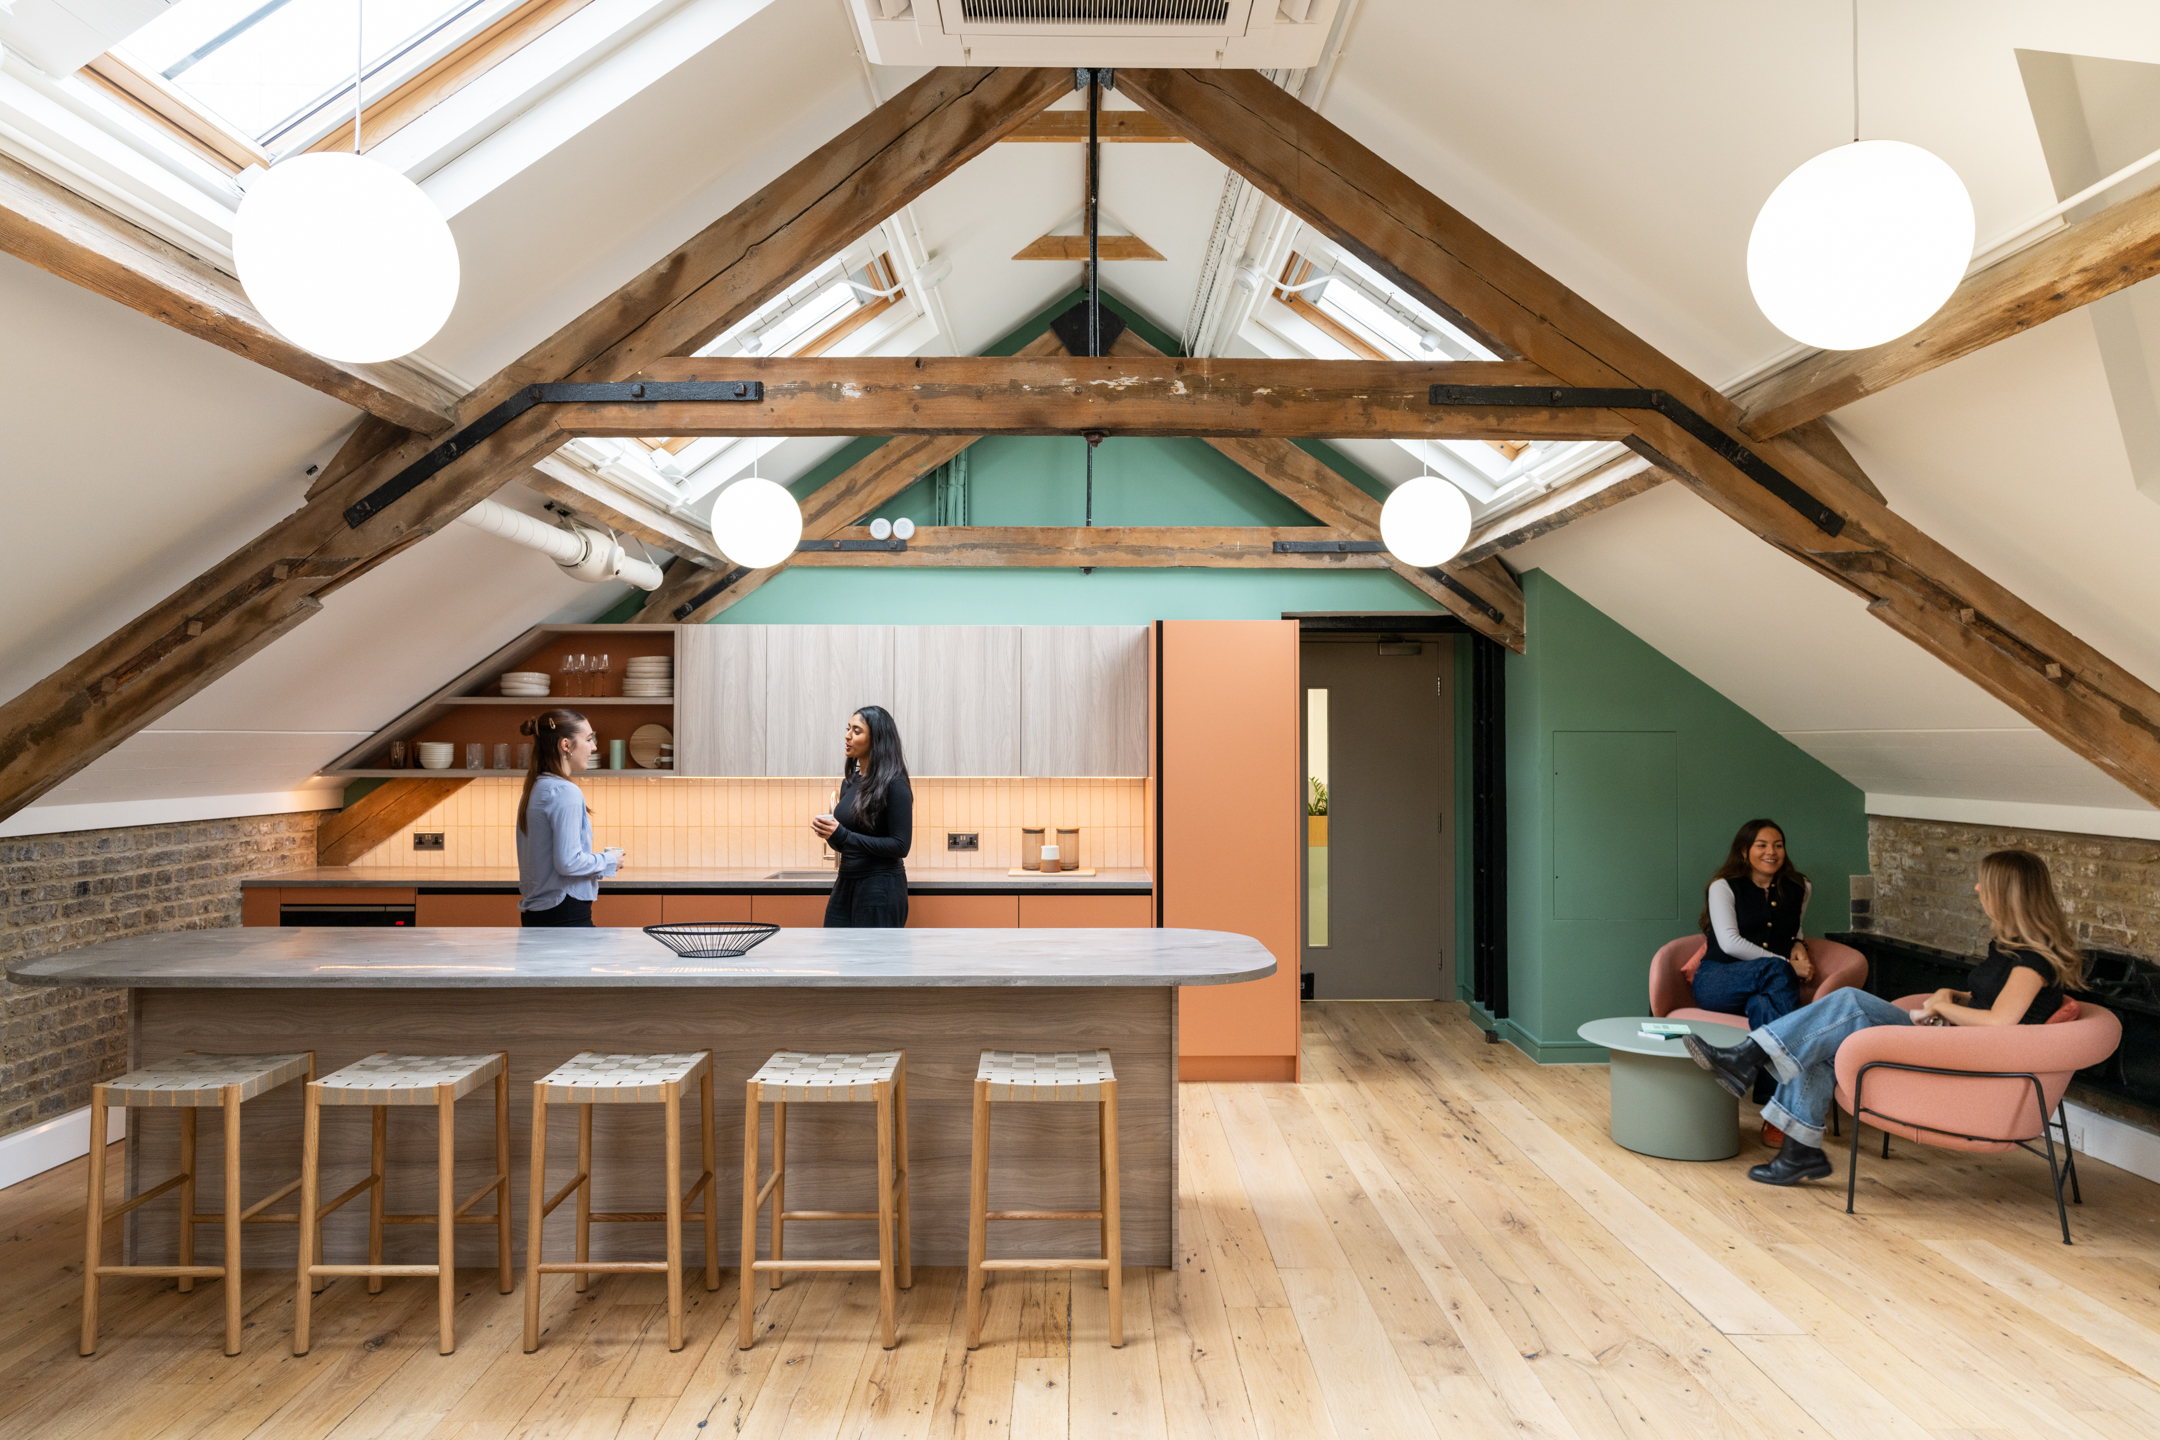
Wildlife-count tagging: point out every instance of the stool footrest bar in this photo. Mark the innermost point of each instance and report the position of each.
(374, 1270)
(828, 1215)
(639, 1217)
(169, 1271)
(437, 1220)
(607, 1267)
(870, 1265)
(1046, 1264)
(1043, 1215)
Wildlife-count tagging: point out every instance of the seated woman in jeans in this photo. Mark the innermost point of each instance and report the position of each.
(2033, 959)
(1754, 961)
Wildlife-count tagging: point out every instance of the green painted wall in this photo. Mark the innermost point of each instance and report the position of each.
(1626, 779)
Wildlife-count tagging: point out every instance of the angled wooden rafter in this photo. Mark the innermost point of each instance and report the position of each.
(376, 816)
(1975, 625)
(59, 231)
(2075, 266)
(812, 211)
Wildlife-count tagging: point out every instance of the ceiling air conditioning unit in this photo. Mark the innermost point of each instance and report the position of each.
(1237, 34)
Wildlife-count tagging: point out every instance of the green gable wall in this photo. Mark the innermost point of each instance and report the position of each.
(1626, 779)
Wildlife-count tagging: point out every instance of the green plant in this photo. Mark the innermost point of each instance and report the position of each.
(1316, 804)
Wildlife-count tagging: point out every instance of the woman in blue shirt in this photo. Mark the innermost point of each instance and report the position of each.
(558, 874)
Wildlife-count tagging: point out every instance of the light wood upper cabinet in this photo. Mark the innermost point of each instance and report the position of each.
(958, 705)
(720, 688)
(1083, 700)
(815, 677)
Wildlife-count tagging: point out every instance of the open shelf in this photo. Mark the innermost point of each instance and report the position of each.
(547, 702)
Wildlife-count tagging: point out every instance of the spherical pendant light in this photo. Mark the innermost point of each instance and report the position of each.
(346, 257)
(1860, 244)
(756, 523)
(1425, 522)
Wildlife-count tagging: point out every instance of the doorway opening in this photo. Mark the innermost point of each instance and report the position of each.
(1378, 705)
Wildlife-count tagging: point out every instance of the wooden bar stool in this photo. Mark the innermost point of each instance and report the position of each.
(591, 1079)
(1069, 1076)
(792, 1075)
(379, 1082)
(188, 1083)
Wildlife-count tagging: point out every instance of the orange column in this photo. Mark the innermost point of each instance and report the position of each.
(1231, 818)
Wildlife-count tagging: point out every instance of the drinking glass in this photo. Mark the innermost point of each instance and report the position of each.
(571, 664)
(502, 755)
(600, 674)
(475, 755)
(524, 756)
(398, 755)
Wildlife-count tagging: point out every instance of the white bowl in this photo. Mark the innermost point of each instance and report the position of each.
(434, 762)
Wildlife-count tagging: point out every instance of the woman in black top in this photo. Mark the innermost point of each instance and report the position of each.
(2032, 961)
(871, 828)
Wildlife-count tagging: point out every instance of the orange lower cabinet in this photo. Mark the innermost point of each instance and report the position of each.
(792, 912)
(495, 909)
(1087, 912)
(682, 909)
(260, 906)
(627, 909)
(963, 912)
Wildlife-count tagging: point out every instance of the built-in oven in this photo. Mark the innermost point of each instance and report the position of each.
(345, 915)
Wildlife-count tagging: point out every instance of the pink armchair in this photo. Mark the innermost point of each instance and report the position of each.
(1672, 976)
(1965, 1088)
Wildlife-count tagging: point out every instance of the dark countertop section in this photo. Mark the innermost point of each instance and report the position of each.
(649, 879)
(506, 958)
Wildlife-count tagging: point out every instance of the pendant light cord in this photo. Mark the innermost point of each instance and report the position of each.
(1856, 71)
(359, 72)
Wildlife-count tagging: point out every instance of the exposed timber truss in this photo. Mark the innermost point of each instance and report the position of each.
(1821, 511)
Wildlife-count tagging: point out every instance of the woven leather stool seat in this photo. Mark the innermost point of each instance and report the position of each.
(596, 1079)
(385, 1079)
(791, 1075)
(1059, 1075)
(193, 1079)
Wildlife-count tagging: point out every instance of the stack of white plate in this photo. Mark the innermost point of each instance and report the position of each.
(437, 755)
(649, 676)
(524, 682)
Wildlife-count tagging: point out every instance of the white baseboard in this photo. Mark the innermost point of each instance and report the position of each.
(57, 1141)
(2125, 1146)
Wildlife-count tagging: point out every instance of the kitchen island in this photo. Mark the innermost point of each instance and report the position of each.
(943, 996)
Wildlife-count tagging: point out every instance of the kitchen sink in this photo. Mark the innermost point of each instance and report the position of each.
(800, 875)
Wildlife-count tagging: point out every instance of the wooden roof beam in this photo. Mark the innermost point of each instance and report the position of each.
(61, 232)
(2075, 266)
(2057, 681)
(180, 645)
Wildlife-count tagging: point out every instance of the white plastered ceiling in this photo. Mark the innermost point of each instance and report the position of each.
(1623, 148)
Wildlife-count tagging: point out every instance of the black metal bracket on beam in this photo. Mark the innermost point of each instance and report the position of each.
(882, 546)
(710, 592)
(1456, 588)
(1746, 461)
(625, 392)
(1328, 547)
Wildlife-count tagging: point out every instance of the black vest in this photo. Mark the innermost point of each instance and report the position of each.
(1769, 918)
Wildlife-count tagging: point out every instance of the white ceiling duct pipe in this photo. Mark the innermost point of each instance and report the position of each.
(583, 554)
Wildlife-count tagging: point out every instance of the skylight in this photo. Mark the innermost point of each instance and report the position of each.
(280, 72)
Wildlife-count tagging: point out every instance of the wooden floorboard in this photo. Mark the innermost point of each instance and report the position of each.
(1430, 1237)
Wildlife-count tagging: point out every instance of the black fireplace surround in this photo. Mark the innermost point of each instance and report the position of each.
(2124, 984)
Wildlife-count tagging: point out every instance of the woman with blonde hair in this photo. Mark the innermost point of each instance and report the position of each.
(2031, 962)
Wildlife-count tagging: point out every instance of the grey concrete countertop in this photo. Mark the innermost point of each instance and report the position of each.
(486, 958)
(927, 880)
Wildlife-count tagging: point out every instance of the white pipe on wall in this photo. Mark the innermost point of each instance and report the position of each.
(582, 553)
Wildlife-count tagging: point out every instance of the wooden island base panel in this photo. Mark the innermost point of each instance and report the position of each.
(944, 996)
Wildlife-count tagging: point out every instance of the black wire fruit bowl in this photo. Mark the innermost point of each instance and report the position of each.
(707, 939)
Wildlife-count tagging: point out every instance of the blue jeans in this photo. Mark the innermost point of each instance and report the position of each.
(1802, 1047)
(1761, 989)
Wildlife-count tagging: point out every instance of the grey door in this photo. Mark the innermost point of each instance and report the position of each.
(1389, 865)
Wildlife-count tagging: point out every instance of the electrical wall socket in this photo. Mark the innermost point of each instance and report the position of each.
(2077, 1139)
(961, 840)
(427, 840)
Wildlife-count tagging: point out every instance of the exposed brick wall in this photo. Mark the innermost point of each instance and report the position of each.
(64, 891)
(1924, 872)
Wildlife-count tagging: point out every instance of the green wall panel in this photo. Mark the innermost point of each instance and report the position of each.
(1583, 951)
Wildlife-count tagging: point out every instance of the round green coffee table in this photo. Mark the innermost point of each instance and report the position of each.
(1663, 1103)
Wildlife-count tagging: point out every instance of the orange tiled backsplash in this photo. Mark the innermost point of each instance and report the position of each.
(752, 823)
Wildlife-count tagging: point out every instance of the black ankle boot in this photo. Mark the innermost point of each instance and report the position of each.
(1735, 1067)
(1796, 1160)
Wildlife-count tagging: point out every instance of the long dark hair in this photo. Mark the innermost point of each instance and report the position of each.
(1736, 865)
(551, 730)
(876, 773)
